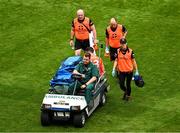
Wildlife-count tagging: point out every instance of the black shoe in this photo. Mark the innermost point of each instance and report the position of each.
(128, 98)
(124, 96)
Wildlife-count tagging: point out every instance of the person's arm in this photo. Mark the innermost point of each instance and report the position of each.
(94, 34)
(95, 75)
(93, 29)
(135, 67)
(89, 82)
(107, 44)
(134, 64)
(93, 79)
(76, 72)
(124, 31)
(77, 69)
(114, 67)
(101, 67)
(107, 39)
(115, 64)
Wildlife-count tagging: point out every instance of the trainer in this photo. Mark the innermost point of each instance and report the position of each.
(81, 27)
(125, 64)
(114, 32)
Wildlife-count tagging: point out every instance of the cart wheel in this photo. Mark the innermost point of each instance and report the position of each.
(79, 119)
(45, 118)
(103, 99)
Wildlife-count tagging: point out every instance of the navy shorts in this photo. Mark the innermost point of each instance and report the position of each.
(82, 44)
(113, 53)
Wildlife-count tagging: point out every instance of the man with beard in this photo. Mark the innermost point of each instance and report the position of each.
(89, 73)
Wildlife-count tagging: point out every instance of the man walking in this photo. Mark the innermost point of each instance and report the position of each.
(114, 32)
(125, 64)
(81, 28)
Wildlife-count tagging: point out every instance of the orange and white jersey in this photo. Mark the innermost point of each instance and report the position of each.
(99, 63)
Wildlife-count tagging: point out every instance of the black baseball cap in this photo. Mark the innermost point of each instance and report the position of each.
(123, 41)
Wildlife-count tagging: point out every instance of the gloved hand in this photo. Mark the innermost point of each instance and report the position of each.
(113, 72)
(136, 73)
(107, 49)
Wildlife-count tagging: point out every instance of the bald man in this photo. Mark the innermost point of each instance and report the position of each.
(114, 32)
(80, 30)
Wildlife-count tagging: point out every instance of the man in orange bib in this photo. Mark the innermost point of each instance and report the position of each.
(114, 33)
(81, 28)
(125, 64)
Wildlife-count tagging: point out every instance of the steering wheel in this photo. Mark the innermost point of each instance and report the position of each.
(77, 76)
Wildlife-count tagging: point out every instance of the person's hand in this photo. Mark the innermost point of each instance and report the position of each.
(96, 41)
(113, 72)
(95, 46)
(136, 73)
(71, 43)
(107, 49)
(83, 86)
(83, 75)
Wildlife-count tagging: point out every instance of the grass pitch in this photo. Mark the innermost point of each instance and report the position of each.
(34, 39)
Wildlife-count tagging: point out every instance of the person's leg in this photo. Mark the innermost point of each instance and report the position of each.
(77, 47)
(85, 44)
(72, 87)
(122, 77)
(78, 52)
(88, 92)
(128, 83)
(113, 53)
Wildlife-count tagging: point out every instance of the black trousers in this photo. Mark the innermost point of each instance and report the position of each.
(125, 76)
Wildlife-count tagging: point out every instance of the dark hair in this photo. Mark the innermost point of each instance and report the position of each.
(123, 41)
(89, 49)
(87, 55)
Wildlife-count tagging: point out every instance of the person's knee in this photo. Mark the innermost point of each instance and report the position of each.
(122, 87)
(89, 88)
(128, 86)
(78, 52)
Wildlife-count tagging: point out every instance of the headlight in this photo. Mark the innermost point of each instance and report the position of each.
(46, 106)
(75, 108)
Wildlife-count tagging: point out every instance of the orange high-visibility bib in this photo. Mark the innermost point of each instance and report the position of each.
(115, 36)
(124, 62)
(80, 30)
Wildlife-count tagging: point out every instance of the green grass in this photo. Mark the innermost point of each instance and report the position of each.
(34, 39)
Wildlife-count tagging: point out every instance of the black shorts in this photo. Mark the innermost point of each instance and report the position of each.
(113, 53)
(82, 44)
